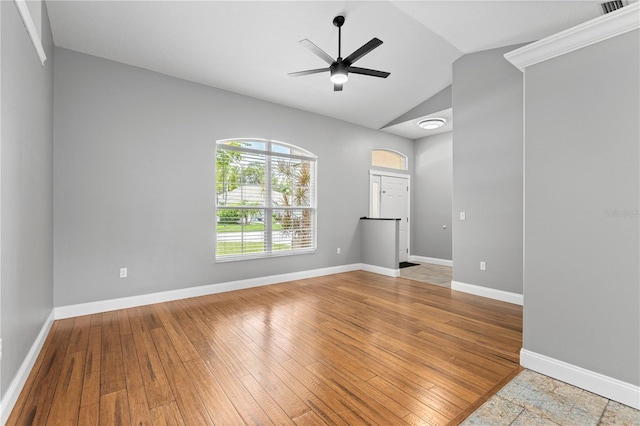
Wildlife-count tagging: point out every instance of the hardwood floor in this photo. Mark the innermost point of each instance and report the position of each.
(347, 349)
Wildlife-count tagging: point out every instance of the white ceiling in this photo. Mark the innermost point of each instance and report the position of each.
(410, 130)
(248, 47)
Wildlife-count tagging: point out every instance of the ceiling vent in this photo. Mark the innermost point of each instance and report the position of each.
(610, 6)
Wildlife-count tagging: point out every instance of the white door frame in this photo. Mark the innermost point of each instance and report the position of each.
(380, 173)
(2, 418)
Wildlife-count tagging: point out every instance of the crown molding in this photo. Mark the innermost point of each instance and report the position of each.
(601, 28)
(31, 28)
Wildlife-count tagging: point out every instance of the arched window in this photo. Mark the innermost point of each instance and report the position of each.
(265, 199)
(388, 159)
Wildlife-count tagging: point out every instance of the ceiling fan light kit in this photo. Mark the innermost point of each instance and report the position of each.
(339, 74)
(339, 68)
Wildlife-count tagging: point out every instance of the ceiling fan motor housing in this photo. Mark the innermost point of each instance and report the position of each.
(339, 72)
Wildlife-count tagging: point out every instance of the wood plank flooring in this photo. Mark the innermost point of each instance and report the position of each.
(346, 349)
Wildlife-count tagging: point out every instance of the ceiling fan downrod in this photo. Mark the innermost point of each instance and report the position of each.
(338, 21)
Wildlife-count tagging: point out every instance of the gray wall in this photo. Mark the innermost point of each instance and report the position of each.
(487, 171)
(432, 194)
(582, 185)
(134, 179)
(380, 240)
(26, 190)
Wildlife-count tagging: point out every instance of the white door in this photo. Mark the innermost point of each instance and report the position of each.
(394, 203)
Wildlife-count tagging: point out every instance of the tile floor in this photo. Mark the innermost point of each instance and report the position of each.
(535, 399)
(532, 398)
(428, 273)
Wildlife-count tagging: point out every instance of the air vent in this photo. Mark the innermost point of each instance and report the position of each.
(610, 6)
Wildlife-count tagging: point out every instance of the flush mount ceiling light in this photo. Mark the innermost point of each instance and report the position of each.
(431, 123)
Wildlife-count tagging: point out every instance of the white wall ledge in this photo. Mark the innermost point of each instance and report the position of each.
(601, 28)
(31, 29)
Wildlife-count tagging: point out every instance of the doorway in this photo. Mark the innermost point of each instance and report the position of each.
(389, 199)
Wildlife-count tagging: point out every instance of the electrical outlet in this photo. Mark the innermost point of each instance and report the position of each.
(483, 266)
(123, 272)
(338, 250)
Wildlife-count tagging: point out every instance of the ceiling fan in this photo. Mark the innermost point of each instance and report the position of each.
(340, 68)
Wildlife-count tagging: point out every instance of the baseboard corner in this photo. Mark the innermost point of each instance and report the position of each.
(10, 398)
(608, 387)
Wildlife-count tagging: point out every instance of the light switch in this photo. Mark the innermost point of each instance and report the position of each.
(463, 216)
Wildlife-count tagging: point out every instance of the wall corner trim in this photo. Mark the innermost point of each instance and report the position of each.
(31, 28)
(598, 29)
(608, 387)
(491, 293)
(13, 392)
(431, 260)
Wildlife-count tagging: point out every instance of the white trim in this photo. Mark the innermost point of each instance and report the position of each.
(407, 176)
(380, 270)
(31, 28)
(610, 388)
(1, 404)
(10, 398)
(165, 296)
(391, 174)
(599, 29)
(491, 293)
(70, 311)
(431, 260)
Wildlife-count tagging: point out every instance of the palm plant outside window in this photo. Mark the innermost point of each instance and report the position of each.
(265, 199)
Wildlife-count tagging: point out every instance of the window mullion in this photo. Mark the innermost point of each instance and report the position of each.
(268, 216)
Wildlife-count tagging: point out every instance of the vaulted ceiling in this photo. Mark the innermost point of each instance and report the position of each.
(249, 47)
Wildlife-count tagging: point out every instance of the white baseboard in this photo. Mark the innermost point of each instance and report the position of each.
(166, 296)
(380, 270)
(491, 293)
(608, 387)
(11, 396)
(431, 260)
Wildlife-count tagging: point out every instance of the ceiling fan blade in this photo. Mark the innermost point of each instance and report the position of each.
(337, 87)
(307, 72)
(367, 71)
(319, 52)
(366, 48)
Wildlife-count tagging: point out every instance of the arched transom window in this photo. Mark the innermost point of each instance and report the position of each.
(388, 159)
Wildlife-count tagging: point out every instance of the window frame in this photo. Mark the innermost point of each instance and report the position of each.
(269, 207)
(397, 154)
